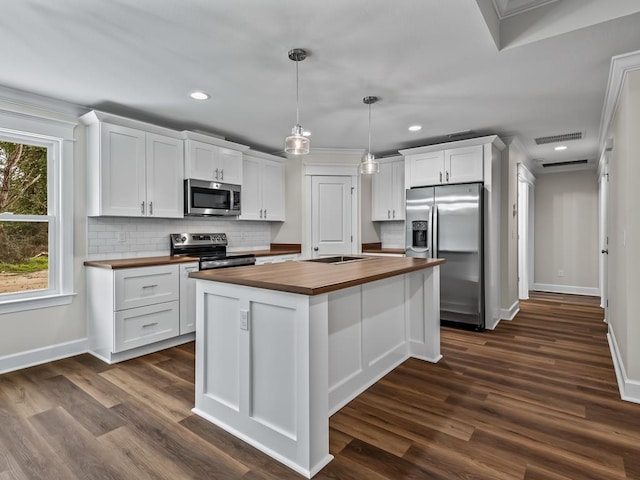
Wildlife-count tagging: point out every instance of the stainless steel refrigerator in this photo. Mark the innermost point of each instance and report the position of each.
(447, 222)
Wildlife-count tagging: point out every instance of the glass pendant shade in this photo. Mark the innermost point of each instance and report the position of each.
(296, 143)
(369, 165)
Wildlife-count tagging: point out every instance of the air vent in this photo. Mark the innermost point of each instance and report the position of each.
(462, 133)
(561, 164)
(566, 137)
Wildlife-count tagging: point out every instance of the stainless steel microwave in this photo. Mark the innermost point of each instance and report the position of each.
(211, 198)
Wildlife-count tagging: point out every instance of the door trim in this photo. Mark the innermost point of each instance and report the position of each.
(338, 170)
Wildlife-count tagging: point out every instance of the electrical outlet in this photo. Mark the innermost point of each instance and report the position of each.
(561, 273)
(244, 319)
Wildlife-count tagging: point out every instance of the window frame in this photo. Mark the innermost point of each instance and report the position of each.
(57, 137)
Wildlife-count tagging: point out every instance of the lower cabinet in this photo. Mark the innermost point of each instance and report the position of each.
(188, 298)
(133, 311)
(277, 258)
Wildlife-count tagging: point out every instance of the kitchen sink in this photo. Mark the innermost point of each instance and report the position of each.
(338, 259)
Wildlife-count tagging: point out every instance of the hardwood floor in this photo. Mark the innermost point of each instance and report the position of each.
(535, 399)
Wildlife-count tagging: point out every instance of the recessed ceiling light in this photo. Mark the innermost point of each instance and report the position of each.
(561, 147)
(306, 133)
(415, 128)
(199, 95)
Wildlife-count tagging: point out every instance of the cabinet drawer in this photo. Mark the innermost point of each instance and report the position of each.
(140, 326)
(138, 287)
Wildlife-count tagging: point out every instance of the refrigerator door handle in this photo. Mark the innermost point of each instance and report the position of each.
(434, 222)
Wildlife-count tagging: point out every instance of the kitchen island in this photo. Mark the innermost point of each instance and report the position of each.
(281, 347)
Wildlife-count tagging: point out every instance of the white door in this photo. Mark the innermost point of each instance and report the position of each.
(123, 171)
(165, 190)
(523, 237)
(331, 211)
(425, 169)
(463, 164)
(604, 240)
(273, 190)
(251, 196)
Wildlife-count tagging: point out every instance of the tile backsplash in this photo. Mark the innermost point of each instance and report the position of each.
(120, 237)
(392, 234)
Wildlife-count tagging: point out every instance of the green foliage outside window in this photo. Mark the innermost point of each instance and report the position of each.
(23, 191)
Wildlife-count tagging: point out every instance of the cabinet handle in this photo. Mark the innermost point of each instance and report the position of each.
(147, 325)
(260, 213)
(447, 176)
(394, 214)
(388, 213)
(265, 213)
(222, 174)
(150, 208)
(440, 177)
(142, 208)
(150, 286)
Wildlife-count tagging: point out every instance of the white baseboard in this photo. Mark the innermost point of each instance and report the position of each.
(511, 312)
(21, 360)
(568, 289)
(629, 389)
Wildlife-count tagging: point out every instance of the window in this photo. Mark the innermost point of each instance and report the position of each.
(36, 212)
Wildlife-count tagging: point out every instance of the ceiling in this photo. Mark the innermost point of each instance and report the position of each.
(525, 68)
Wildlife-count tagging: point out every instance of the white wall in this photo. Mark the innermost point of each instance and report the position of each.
(42, 328)
(624, 230)
(566, 232)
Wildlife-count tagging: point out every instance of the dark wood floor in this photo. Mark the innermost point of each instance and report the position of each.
(535, 399)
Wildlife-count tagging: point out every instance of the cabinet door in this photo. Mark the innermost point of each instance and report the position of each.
(464, 164)
(425, 169)
(122, 168)
(137, 287)
(251, 196)
(397, 196)
(230, 162)
(381, 193)
(187, 298)
(202, 161)
(140, 326)
(165, 197)
(272, 190)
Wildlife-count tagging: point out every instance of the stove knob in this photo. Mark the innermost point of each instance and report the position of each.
(183, 239)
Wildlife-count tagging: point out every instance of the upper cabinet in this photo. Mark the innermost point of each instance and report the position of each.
(213, 159)
(387, 191)
(263, 187)
(462, 162)
(133, 169)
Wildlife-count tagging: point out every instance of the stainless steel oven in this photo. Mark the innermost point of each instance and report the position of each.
(210, 248)
(202, 198)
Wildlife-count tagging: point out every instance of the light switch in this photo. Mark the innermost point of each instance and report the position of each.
(244, 319)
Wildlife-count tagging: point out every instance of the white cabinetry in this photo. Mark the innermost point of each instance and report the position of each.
(387, 191)
(133, 311)
(133, 169)
(263, 187)
(187, 298)
(277, 258)
(434, 165)
(212, 159)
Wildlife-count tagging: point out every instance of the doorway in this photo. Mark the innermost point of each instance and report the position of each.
(332, 218)
(526, 217)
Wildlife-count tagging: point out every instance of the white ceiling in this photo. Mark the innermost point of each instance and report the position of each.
(442, 64)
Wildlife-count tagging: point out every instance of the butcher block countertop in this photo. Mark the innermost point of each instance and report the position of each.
(312, 278)
(138, 262)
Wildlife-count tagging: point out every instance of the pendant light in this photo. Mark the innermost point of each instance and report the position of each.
(296, 143)
(368, 165)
